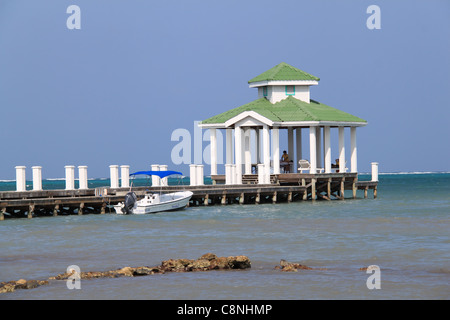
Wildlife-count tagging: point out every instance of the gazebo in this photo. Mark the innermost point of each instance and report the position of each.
(283, 103)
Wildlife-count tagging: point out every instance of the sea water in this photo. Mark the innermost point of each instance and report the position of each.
(405, 232)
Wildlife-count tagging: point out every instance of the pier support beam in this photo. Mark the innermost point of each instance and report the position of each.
(313, 189)
(2, 214)
(30, 211)
(55, 210)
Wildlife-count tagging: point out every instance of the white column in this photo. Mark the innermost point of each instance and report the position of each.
(266, 150)
(199, 172)
(156, 181)
(229, 147)
(291, 143)
(163, 181)
(374, 171)
(257, 146)
(114, 175)
(233, 174)
(319, 147)
(193, 174)
(70, 177)
(298, 147)
(37, 178)
(341, 150)
(276, 149)
(228, 176)
(125, 176)
(82, 177)
(247, 151)
(261, 173)
(354, 158)
(327, 149)
(312, 149)
(213, 149)
(21, 184)
(238, 153)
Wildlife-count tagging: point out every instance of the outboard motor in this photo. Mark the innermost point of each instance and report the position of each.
(130, 200)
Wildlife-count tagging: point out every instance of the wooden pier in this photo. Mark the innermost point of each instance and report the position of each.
(283, 188)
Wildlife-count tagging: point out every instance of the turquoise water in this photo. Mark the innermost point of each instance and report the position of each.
(405, 231)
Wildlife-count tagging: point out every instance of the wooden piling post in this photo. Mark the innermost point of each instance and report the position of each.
(342, 188)
(290, 196)
(354, 188)
(365, 192)
(313, 189)
(305, 194)
(375, 192)
(55, 210)
(329, 188)
(258, 198)
(206, 200)
(103, 209)
(241, 198)
(30, 211)
(80, 209)
(223, 201)
(2, 214)
(274, 197)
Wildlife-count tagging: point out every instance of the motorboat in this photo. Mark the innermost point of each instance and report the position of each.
(153, 202)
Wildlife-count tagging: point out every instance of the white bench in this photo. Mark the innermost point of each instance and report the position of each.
(305, 165)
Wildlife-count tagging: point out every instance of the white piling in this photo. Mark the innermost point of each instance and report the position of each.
(374, 171)
(70, 177)
(164, 181)
(37, 178)
(114, 175)
(233, 174)
(228, 174)
(21, 184)
(156, 181)
(193, 174)
(82, 177)
(200, 180)
(124, 176)
(261, 173)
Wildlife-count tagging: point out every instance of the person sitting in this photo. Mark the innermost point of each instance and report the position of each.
(285, 163)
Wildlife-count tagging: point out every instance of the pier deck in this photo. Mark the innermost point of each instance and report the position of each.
(284, 188)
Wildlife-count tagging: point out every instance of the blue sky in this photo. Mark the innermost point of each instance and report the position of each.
(115, 90)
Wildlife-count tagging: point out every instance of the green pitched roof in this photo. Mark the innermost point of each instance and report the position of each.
(289, 109)
(283, 71)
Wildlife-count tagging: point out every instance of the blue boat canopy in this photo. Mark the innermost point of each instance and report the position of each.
(161, 174)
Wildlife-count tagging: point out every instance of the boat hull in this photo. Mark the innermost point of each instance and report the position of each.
(167, 202)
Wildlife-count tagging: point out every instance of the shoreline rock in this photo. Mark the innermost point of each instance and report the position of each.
(294, 267)
(206, 262)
